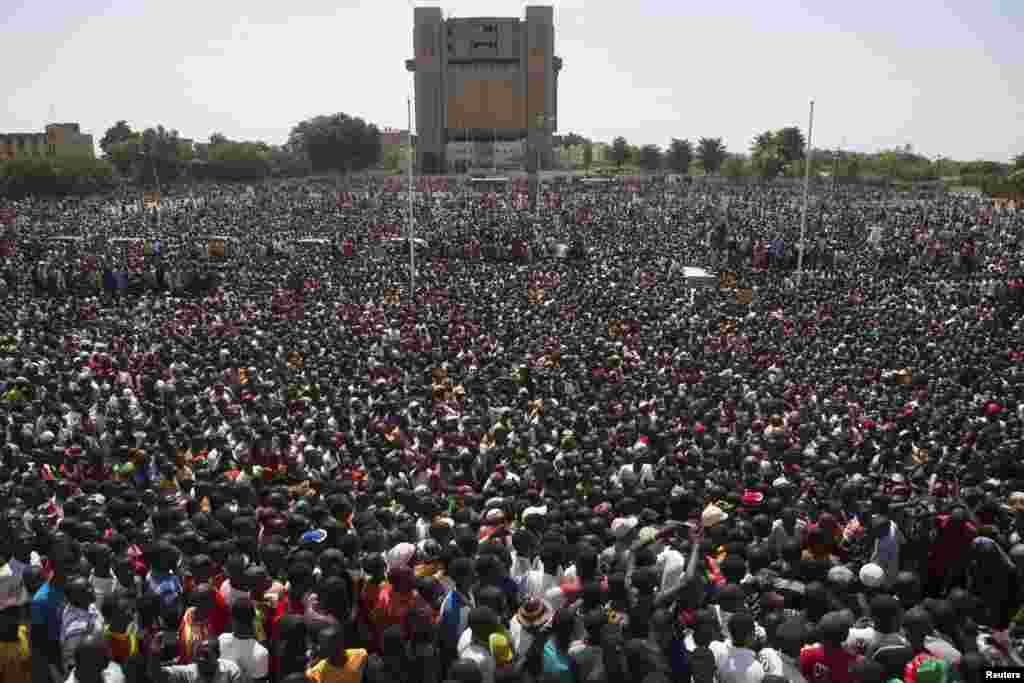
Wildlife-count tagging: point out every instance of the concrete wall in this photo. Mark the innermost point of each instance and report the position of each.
(428, 43)
(481, 75)
(61, 140)
(540, 82)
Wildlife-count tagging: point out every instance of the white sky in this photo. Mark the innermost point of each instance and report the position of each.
(946, 77)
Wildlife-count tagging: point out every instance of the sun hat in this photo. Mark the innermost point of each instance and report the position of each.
(534, 612)
(712, 516)
(1015, 503)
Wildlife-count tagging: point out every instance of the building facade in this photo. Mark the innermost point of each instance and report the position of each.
(61, 140)
(486, 88)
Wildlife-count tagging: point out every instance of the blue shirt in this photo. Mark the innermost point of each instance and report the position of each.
(167, 586)
(454, 615)
(48, 609)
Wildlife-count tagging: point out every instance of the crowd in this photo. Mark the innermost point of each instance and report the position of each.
(239, 449)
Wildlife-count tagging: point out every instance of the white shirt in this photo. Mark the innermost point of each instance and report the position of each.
(251, 657)
(12, 586)
(736, 664)
(481, 656)
(673, 566)
(112, 674)
(776, 663)
(887, 553)
(539, 582)
(861, 640)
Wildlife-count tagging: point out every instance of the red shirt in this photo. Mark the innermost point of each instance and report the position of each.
(819, 665)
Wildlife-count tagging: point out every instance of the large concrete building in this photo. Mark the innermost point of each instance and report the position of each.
(486, 90)
(61, 140)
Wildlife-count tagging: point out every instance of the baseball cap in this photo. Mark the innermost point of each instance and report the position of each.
(871, 575)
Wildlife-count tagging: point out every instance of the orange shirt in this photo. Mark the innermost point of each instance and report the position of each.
(349, 672)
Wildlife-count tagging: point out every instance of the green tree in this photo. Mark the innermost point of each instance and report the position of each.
(57, 177)
(124, 154)
(218, 139)
(766, 155)
(679, 156)
(117, 133)
(619, 151)
(392, 158)
(573, 139)
(650, 158)
(1018, 162)
(711, 152)
(790, 143)
(157, 159)
(588, 155)
(340, 142)
(632, 155)
(733, 166)
(850, 166)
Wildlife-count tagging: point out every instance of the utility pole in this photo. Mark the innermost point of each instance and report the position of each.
(807, 186)
(412, 218)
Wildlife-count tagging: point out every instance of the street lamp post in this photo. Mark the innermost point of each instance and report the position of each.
(807, 185)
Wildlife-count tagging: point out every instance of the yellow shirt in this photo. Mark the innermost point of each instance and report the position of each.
(351, 672)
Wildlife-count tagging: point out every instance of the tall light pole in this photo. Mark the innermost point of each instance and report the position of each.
(541, 123)
(807, 186)
(412, 219)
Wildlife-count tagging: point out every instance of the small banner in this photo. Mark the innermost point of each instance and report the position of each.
(536, 295)
(8, 215)
(150, 200)
(217, 249)
(727, 279)
(391, 297)
(744, 296)
(727, 327)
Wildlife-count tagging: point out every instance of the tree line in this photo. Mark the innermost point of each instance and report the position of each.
(157, 156)
(782, 153)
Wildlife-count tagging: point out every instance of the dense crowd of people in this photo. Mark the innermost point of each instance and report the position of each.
(238, 448)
